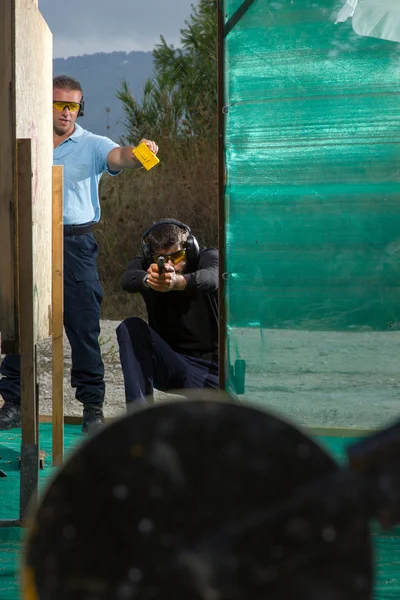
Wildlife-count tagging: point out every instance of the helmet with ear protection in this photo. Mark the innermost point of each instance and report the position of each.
(191, 245)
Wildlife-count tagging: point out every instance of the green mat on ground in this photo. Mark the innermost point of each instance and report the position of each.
(11, 539)
(387, 545)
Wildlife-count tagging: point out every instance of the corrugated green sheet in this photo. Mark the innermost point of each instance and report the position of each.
(312, 148)
(387, 545)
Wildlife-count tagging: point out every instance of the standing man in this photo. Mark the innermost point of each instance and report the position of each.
(85, 157)
(178, 348)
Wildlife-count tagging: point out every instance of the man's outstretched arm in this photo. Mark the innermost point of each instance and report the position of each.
(122, 157)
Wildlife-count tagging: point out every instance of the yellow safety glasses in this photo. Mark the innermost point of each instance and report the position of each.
(72, 106)
(175, 257)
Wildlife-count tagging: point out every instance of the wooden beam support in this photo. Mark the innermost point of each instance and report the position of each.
(27, 299)
(8, 314)
(57, 317)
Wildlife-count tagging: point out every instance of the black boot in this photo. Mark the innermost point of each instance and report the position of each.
(93, 418)
(10, 415)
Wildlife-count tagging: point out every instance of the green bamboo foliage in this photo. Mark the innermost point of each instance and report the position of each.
(180, 100)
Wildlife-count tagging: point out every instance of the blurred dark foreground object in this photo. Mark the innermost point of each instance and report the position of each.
(209, 499)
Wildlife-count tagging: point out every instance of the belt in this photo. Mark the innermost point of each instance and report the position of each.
(77, 229)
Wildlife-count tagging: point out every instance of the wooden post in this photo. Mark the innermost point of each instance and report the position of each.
(30, 438)
(223, 358)
(8, 316)
(57, 317)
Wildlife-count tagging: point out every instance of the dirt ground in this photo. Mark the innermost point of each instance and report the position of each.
(345, 379)
(328, 379)
(115, 396)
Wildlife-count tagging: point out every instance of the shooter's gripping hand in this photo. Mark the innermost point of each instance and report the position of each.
(161, 282)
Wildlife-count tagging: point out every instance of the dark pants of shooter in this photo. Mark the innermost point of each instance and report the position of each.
(149, 362)
(82, 301)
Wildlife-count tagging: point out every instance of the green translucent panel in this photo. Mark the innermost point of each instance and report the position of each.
(312, 149)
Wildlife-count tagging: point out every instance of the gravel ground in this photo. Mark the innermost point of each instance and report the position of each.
(322, 378)
(115, 395)
(330, 379)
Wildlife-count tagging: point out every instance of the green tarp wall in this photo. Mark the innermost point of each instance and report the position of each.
(312, 132)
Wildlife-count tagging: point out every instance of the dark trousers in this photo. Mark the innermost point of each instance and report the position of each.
(82, 301)
(148, 362)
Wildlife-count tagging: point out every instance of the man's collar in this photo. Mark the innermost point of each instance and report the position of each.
(78, 132)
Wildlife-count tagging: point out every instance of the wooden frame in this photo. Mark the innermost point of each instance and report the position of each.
(57, 318)
(29, 400)
(25, 212)
(7, 183)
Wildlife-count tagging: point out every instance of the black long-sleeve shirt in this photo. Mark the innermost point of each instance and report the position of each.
(187, 320)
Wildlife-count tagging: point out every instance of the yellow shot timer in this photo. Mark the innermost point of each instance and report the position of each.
(145, 156)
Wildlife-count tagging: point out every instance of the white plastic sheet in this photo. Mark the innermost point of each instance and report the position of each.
(378, 18)
(373, 18)
(346, 11)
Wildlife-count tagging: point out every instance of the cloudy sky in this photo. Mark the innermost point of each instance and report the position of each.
(89, 26)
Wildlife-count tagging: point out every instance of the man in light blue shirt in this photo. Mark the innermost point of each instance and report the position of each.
(85, 157)
(81, 179)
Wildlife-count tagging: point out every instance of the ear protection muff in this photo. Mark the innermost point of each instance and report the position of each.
(82, 108)
(191, 245)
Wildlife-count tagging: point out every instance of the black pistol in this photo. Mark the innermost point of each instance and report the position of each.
(160, 263)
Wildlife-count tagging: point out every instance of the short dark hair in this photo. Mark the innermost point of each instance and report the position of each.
(166, 235)
(63, 82)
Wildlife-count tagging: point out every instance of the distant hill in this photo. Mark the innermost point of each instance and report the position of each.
(100, 76)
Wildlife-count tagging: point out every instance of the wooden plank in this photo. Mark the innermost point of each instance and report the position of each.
(33, 89)
(68, 420)
(223, 355)
(29, 477)
(72, 419)
(12, 523)
(25, 83)
(8, 314)
(57, 318)
(340, 431)
(309, 430)
(29, 427)
(26, 301)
